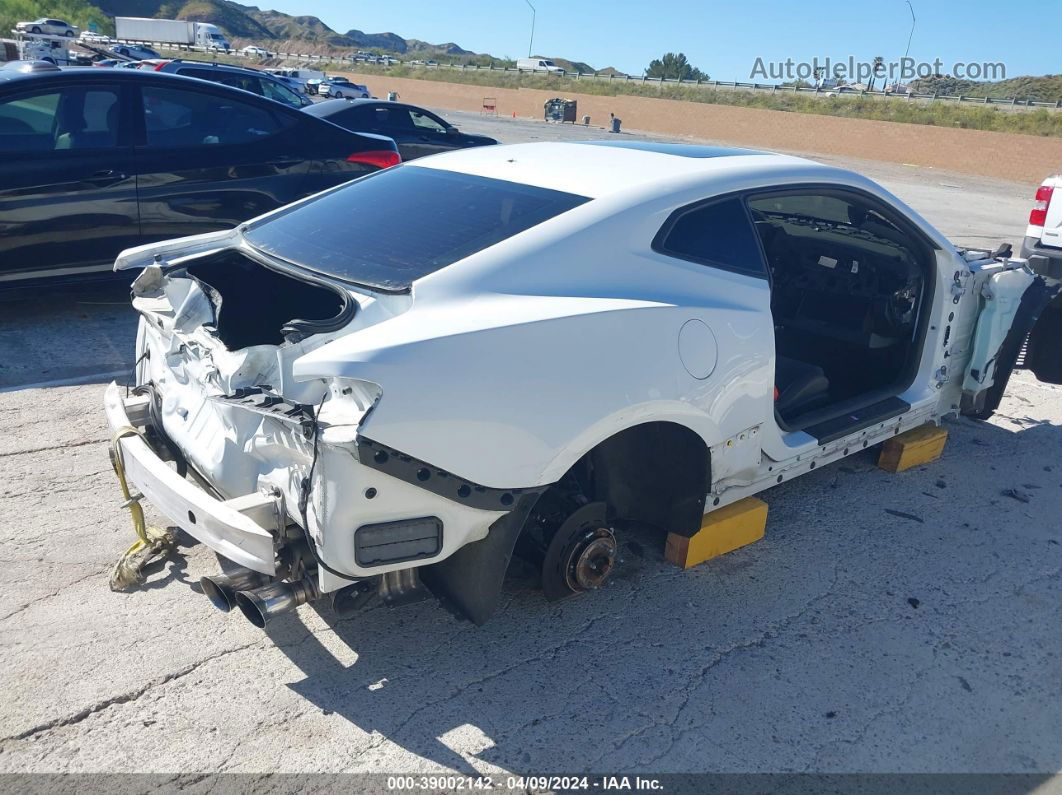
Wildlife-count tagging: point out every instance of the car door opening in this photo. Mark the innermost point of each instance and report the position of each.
(848, 289)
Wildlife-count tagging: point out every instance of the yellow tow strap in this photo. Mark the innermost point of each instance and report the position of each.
(151, 543)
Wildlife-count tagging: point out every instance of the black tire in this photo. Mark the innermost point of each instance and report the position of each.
(36, 29)
(69, 34)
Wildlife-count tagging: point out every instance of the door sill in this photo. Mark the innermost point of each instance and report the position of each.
(856, 419)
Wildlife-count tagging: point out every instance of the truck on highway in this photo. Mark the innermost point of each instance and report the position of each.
(36, 47)
(170, 31)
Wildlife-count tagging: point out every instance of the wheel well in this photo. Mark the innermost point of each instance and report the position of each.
(657, 473)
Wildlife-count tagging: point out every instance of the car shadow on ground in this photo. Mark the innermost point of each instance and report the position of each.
(813, 637)
(66, 333)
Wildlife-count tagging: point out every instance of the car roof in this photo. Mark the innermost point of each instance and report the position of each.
(327, 108)
(330, 106)
(77, 73)
(223, 67)
(602, 168)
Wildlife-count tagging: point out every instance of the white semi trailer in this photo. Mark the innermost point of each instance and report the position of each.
(170, 31)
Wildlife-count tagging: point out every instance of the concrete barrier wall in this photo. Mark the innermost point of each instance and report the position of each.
(1023, 158)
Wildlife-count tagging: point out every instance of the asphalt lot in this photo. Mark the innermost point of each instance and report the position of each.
(886, 622)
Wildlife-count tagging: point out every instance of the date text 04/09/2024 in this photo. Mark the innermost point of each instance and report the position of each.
(524, 783)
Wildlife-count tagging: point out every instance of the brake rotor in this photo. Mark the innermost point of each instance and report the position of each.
(581, 555)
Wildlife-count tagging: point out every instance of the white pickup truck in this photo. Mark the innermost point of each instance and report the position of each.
(1043, 240)
(391, 386)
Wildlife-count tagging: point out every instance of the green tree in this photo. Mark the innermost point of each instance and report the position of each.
(879, 70)
(674, 66)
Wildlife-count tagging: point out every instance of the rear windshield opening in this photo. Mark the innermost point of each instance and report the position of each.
(393, 227)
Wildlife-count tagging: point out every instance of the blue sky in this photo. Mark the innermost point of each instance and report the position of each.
(723, 39)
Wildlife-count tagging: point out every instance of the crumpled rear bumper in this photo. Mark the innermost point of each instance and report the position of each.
(243, 529)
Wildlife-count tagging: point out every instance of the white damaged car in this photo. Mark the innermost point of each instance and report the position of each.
(388, 388)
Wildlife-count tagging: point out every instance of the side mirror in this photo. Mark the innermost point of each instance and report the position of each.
(452, 130)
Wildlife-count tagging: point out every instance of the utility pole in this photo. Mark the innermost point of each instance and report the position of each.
(531, 41)
(911, 36)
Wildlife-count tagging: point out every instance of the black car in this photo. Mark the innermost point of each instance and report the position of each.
(261, 83)
(93, 161)
(417, 132)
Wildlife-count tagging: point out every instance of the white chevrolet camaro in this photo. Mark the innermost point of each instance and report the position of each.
(391, 386)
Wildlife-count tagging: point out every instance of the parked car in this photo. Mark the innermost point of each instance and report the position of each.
(23, 67)
(313, 85)
(1043, 240)
(54, 27)
(295, 85)
(94, 161)
(108, 62)
(253, 80)
(533, 348)
(137, 52)
(341, 88)
(417, 132)
(89, 37)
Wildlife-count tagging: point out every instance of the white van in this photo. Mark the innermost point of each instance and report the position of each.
(300, 77)
(538, 65)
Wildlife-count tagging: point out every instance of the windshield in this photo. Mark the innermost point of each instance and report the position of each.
(395, 226)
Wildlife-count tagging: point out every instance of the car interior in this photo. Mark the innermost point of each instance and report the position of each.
(848, 286)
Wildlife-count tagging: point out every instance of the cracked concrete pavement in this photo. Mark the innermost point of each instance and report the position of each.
(848, 639)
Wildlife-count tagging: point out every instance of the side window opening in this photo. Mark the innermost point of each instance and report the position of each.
(426, 123)
(847, 289)
(717, 234)
(361, 118)
(393, 119)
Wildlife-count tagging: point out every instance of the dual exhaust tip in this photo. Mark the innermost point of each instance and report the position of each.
(257, 598)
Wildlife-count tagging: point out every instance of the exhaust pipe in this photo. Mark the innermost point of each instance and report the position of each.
(221, 589)
(270, 601)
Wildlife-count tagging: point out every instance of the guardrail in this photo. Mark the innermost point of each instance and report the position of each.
(354, 61)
